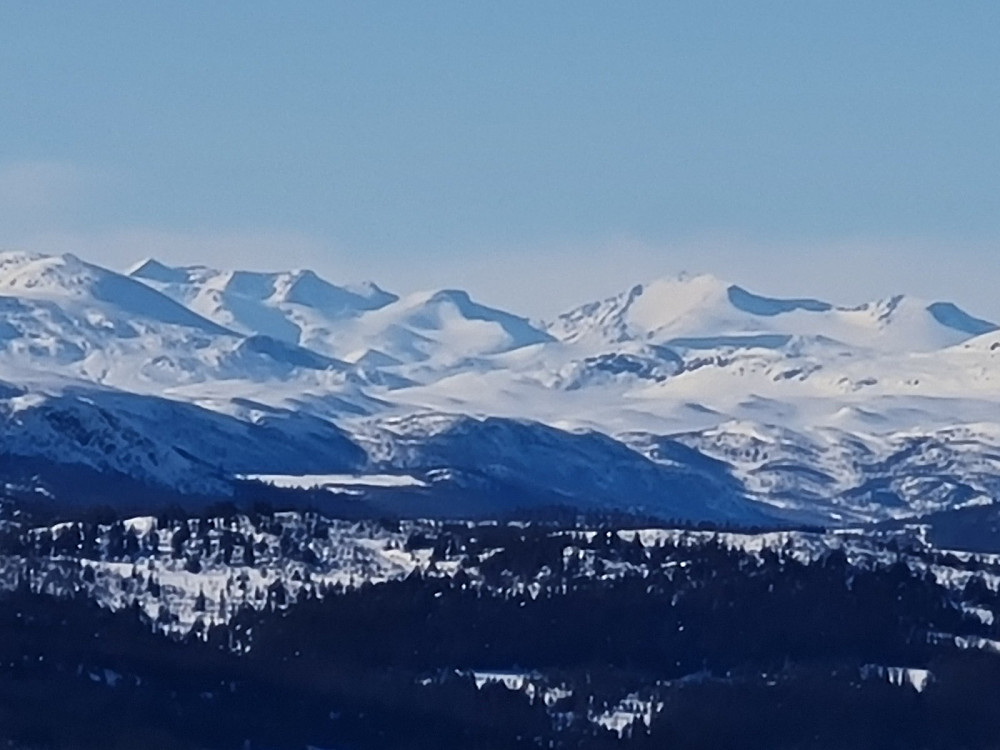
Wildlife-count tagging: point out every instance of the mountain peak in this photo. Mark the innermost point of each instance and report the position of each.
(154, 270)
(296, 307)
(706, 312)
(430, 310)
(305, 287)
(38, 273)
(640, 310)
(88, 297)
(299, 286)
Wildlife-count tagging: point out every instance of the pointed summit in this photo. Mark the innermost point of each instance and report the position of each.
(306, 288)
(152, 270)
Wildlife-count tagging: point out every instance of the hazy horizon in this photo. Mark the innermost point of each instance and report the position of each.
(536, 155)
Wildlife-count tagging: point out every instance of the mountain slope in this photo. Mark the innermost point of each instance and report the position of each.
(165, 443)
(848, 477)
(532, 460)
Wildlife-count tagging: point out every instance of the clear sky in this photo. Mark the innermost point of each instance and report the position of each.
(536, 153)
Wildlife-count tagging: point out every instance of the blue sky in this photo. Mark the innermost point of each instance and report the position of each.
(536, 153)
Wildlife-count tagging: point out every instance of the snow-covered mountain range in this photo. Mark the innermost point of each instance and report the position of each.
(686, 397)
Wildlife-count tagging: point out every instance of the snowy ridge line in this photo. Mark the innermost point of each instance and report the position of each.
(742, 407)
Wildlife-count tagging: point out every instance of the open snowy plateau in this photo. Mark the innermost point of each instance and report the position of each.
(686, 398)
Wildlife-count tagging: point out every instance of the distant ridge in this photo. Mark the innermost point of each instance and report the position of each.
(687, 396)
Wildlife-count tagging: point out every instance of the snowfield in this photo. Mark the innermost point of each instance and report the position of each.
(336, 481)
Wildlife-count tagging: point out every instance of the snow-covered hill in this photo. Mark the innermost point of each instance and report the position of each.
(702, 312)
(294, 306)
(689, 396)
(355, 322)
(71, 284)
(62, 316)
(582, 468)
